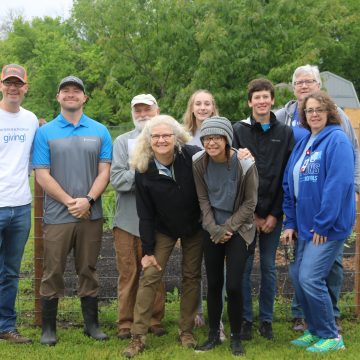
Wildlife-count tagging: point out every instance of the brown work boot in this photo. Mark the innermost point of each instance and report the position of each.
(187, 339)
(157, 330)
(135, 347)
(14, 337)
(124, 334)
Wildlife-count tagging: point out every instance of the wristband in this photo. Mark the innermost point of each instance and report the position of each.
(90, 200)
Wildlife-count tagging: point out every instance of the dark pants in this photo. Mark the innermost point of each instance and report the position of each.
(235, 251)
(268, 244)
(84, 238)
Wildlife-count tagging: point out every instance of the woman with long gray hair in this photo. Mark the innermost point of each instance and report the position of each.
(168, 210)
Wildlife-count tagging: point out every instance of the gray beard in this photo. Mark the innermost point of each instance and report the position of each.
(140, 123)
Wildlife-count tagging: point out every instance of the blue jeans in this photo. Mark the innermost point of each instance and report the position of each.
(15, 223)
(268, 244)
(334, 283)
(309, 272)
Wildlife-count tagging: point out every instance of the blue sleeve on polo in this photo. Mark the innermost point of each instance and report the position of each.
(41, 154)
(106, 146)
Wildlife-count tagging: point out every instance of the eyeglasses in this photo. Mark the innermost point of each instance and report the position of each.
(156, 137)
(214, 138)
(312, 111)
(17, 84)
(306, 82)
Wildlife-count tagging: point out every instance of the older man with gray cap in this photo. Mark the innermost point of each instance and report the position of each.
(127, 242)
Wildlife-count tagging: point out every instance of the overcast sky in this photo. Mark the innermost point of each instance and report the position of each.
(32, 8)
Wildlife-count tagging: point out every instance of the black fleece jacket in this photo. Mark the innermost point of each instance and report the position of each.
(271, 150)
(166, 205)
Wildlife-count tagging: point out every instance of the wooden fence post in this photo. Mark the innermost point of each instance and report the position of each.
(354, 116)
(38, 247)
(357, 266)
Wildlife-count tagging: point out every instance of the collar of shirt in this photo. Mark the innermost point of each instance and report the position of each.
(163, 170)
(82, 122)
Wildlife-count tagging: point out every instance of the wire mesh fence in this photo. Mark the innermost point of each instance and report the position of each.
(28, 306)
(69, 309)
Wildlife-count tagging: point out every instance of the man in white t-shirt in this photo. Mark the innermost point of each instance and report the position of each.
(17, 130)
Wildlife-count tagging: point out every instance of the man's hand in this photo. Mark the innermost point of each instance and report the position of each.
(259, 222)
(244, 153)
(79, 208)
(288, 237)
(149, 260)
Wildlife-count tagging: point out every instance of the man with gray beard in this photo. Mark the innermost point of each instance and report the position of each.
(127, 242)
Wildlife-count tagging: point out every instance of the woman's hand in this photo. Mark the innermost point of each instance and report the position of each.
(227, 236)
(149, 260)
(319, 239)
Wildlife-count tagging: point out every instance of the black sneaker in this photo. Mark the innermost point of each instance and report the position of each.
(246, 330)
(235, 345)
(266, 331)
(212, 341)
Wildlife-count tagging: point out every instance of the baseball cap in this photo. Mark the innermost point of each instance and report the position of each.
(13, 70)
(147, 99)
(71, 80)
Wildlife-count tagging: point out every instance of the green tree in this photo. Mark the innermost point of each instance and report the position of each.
(170, 48)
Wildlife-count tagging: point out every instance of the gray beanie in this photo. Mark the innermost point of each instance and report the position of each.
(217, 125)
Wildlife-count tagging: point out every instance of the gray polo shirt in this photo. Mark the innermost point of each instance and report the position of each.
(72, 153)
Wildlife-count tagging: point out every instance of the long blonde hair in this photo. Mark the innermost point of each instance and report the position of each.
(143, 153)
(189, 119)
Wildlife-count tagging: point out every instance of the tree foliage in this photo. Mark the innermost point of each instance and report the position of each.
(170, 48)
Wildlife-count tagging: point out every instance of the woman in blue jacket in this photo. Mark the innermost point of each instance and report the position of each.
(319, 205)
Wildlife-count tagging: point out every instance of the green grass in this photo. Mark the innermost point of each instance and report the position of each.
(74, 345)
